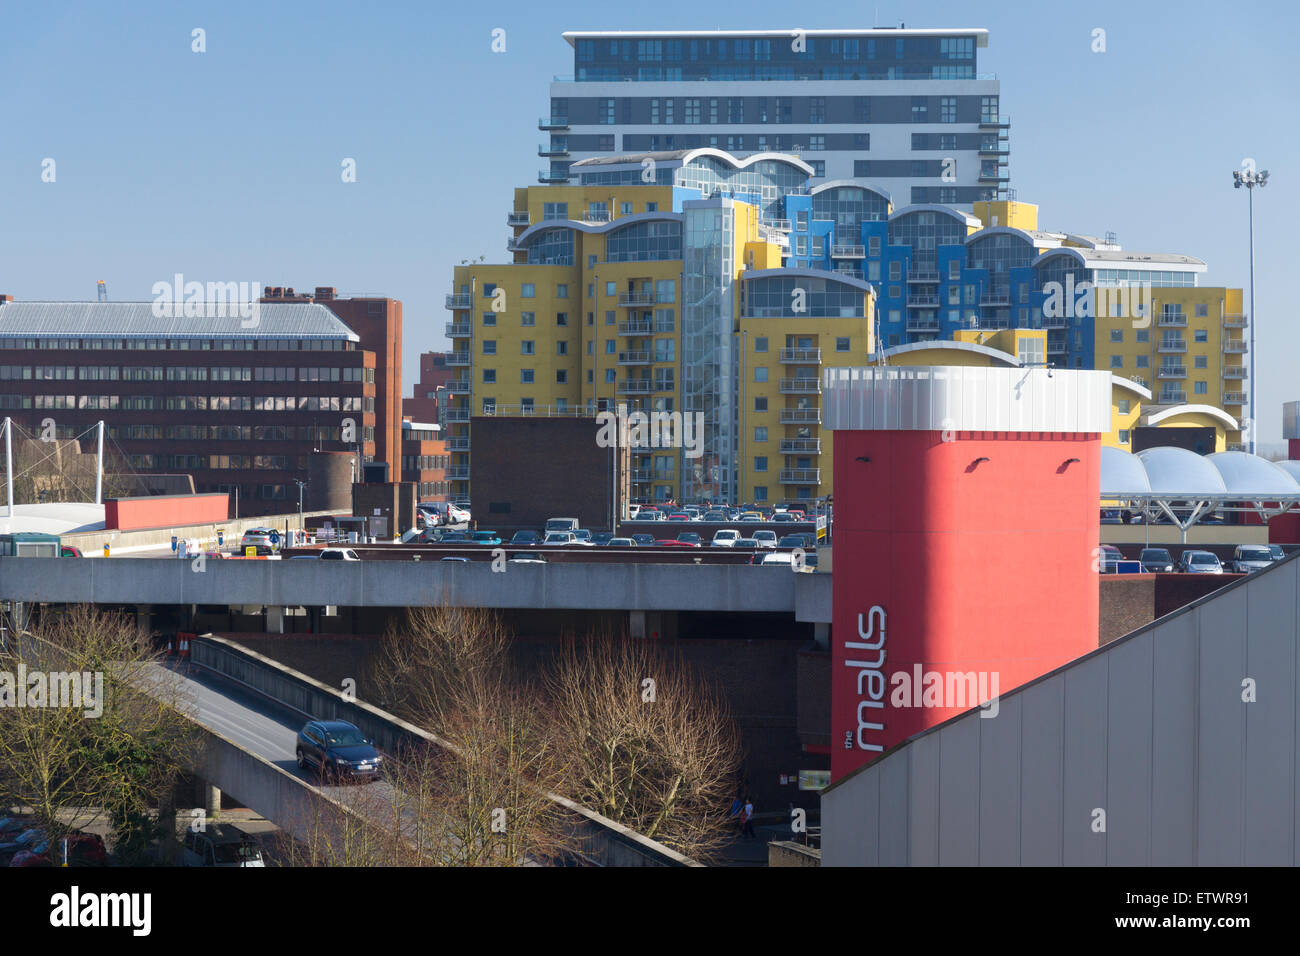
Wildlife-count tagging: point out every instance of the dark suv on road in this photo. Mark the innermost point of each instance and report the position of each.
(338, 751)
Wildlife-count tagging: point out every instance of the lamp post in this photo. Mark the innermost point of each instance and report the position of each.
(300, 483)
(1249, 178)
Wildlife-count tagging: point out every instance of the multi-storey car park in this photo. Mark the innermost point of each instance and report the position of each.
(906, 108)
(695, 281)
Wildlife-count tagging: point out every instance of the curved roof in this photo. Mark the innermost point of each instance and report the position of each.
(1292, 468)
(1000, 357)
(1130, 385)
(1116, 259)
(1218, 414)
(1039, 240)
(809, 273)
(851, 184)
(686, 155)
(596, 227)
(957, 214)
(1179, 474)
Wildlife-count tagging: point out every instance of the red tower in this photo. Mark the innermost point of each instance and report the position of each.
(965, 537)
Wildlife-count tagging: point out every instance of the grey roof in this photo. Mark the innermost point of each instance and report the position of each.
(126, 320)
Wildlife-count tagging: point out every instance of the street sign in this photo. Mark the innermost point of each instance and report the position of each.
(274, 536)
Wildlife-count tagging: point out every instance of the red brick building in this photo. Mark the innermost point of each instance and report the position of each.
(435, 373)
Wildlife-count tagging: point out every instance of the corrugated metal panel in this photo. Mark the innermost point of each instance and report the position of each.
(1152, 729)
(938, 398)
(270, 320)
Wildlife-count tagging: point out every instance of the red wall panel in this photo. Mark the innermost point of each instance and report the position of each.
(163, 511)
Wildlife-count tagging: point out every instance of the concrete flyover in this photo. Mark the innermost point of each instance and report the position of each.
(607, 586)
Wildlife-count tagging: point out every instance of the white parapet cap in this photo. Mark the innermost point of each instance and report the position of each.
(957, 398)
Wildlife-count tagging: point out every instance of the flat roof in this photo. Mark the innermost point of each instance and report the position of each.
(126, 320)
(979, 33)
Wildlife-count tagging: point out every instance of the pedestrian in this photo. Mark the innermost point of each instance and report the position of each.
(747, 815)
(737, 806)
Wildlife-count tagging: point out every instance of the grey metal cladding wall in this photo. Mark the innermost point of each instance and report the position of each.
(1151, 729)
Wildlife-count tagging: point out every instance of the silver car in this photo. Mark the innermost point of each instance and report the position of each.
(1200, 562)
(1251, 557)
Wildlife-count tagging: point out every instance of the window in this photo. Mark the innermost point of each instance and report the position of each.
(1143, 335)
(1117, 335)
(1123, 406)
(527, 318)
(561, 377)
(760, 343)
(760, 433)
(562, 347)
(947, 109)
(561, 291)
(817, 109)
(1200, 361)
(1123, 436)
(760, 492)
(527, 347)
(561, 318)
(842, 344)
(1202, 310)
(1200, 335)
(895, 271)
(526, 376)
(816, 143)
(489, 318)
(609, 346)
(605, 112)
(652, 207)
(760, 373)
(760, 463)
(610, 375)
(528, 290)
(1200, 388)
(489, 347)
(489, 289)
(760, 403)
(1117, 361)
(611, 288)
(489, 376)
(1143, 361)
(591, 262)
(666, 290)
(919, 109)
(610, 317)
(525, 406)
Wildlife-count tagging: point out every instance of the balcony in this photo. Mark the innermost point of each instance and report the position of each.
(459, 301)
(551, 150)
(1235, 347)
(1236, 373)
(801, 386)
(922, 275)
(801, 356)
(555, 122)
(1057, 348)
(641, 474)
(1175, 320)
(635, 327)
(847, 251)
(597, 215)
(995, 298)
(458, 330)
(455, 414)
(1055, 322)
(634, 299)
(801, 476)
(992, 122)
(633, 358)
(514, 245)
(1234, 398)
(1171, 371)
(999, 175)
(920, 301)
(636, 387)
(1000, 148)
(550, 177)
(516, 218)
(458, 358)
(1234, 320)
(1171, 398)
(1171, 346)
(923, 325)
(801, 446)
(459, 386)
(458, 473)
(801, 416)
(780, 225)
(458, 443)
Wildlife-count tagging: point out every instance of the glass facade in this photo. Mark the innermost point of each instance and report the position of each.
(551, 247)
(793, 295)
(924, 232)
(847, 207)
(645, 242)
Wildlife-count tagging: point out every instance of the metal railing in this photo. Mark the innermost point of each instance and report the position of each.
(517, 218)
(546, 176)
(457, 330)
(458, 473)
(801, 476)
(780, 225)
(1172, 345)
(1171, 371)
(921, 301)
(1172, 319)
(1234, 320)
(1235, 372)
(633, 358)
(458, 443)
(923, 325)
(635, 327)
(455, 415)
(458, 358)
(459, 301)
(800, 356)
(459, 386)
(636, 298)
(1234, 398)
(800, 416)
(635, 386)
(555, 122)
(921, 275)
(800, 386)
(1235, 347)
(793, 446)
(847, 251)
(1055, 322)
(544, 149)
(1172, 398)
(995, 298)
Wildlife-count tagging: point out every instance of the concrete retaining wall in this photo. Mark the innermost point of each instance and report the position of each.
(91, 543)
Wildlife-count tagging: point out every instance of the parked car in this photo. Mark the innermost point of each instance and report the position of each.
(26, 840)
(715, 516)
(526, 557)
(68, 551)
(601, 538)
(765, 537)
(1251, 557)
(786, 558)
(457, 515)
(791, 541)
(584, 538)
(744, 544)
(724, 538)
(673, 543)
(83, 849)
(338, 751)
(1276, 551)
(622, 543)
(259, 538)
(1200, 562)
(1155, 560)
(1109, 559)
(525, 537)
(454, 537)
(453, 557)
(484, 537)
(560, 538)
(784, 516)
(561, 524)
(750, 516)
(10, 827)
(221, 845)
(679, 516)
(633, 511)
(338, 554)
(643, 540)
(690, 537)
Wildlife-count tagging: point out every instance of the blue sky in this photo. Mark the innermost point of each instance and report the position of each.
(226, 165)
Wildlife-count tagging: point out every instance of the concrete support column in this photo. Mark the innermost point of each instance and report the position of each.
(822, 635)
(144, 617)
(274, 620)
(211, 801)
(636, 624)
